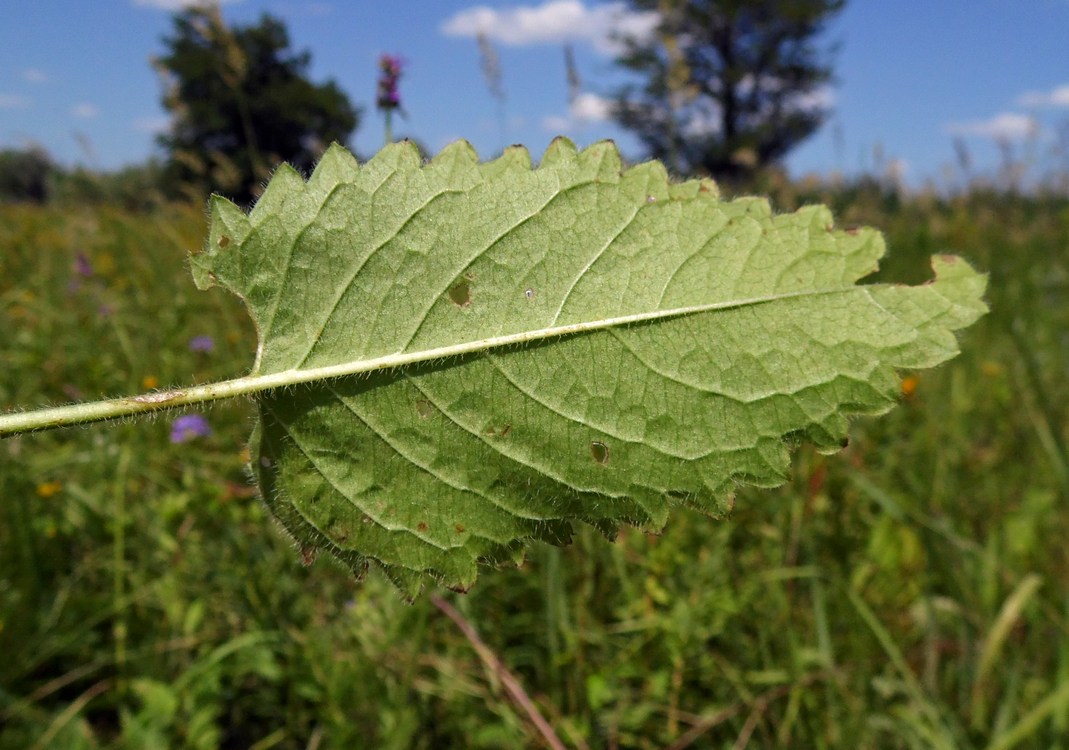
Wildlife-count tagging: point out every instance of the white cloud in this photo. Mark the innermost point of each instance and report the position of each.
(591, 108)
(152, 125)
(1007, 125)
(553, 21)
(34, 75)
(175, 5)
(11, 101)
(85, 111)
(585, 109)
(820, 98)
(556, 124)
(1056, 97)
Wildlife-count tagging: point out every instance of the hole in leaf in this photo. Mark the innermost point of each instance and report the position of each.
(600, 452)
(460, 295)
(651, 198)
(529, 293)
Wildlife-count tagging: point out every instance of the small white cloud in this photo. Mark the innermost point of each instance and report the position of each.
(85, 111)
(11, 101)
(553, 21)
(1005, 126)
(152, 125)
(175, 5)
(1056, 97)
(820, 98)
(585, 109)
(34, 75)
(591, 108)
(556, 124)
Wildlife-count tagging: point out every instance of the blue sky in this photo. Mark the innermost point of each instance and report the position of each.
(912, 75)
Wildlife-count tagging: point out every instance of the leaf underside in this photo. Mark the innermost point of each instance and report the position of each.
(618, 344)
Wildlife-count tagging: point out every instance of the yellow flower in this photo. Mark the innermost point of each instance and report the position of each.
(909, 385)
(991, 369)
(48, 489)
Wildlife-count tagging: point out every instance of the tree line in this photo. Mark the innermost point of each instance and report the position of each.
(721, 88)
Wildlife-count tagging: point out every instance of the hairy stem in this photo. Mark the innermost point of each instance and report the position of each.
(102, 411)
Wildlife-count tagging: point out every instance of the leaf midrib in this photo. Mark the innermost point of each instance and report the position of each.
(296, 376)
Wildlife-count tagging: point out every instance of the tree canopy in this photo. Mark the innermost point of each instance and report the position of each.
(730, 85)
(241, 102)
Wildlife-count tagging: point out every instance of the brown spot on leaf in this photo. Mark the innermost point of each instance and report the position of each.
(421, 526)
(223, 240)
(460, 294)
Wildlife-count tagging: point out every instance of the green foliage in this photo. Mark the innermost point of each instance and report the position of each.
(730, 87)
(30, 176)
(139, 187)
(25, 175)
(241, 102)
(572, 343)
(776, 625)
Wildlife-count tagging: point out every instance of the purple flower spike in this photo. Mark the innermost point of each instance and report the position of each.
(388, 95)
(201, 344)
(189, 427)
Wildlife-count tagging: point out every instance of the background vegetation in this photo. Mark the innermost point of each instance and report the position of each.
(909, 592)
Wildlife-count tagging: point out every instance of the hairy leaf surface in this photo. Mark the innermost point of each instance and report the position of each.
(490, 353)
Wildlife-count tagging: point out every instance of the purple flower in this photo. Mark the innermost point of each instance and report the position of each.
(388, 95)
(201, 344)
(189, 427)
(82, 266)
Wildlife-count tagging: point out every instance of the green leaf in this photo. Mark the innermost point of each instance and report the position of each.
(491, 353)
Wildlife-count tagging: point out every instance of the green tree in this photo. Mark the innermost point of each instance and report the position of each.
(25, 175)
(240, 103)
(730, 86)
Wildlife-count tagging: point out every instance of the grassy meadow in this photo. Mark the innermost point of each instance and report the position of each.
(909, 592)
